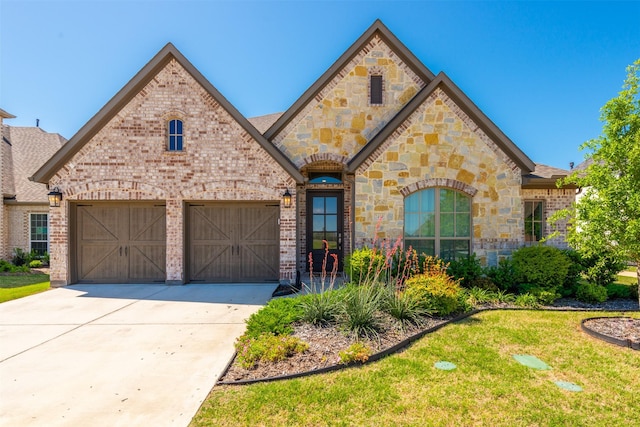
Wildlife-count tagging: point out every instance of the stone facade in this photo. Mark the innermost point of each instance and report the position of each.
(440, 146)
(340, 121)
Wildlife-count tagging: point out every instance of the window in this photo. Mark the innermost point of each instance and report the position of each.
(175, 135)
(375, 90)
(437, 221)
(39, 233)
(533, 221)
(325, 178)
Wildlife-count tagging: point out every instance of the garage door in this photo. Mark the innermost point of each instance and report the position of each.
(120, 242)
(233, 242)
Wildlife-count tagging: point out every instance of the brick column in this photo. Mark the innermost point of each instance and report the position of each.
(59, 245)
(175, 243)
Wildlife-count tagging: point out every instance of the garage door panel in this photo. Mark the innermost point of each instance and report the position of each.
(233, 242)
(147, 262)
(147, 224)
(100, 263)
(121, 242)
(211, 263)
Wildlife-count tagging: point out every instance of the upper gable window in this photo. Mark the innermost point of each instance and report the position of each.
(325, 178)
(375, 90)
(175, 135)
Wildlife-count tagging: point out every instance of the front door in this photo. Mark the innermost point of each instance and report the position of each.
(324, 228)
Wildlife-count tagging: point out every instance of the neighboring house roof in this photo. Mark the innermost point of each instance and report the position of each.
(584, 165)
(544, 176)
(378, 28)
(29, 149)
(6, 115)
(131, 89)
(263, 123)
(443, 82)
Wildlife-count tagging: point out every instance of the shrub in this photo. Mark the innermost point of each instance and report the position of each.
(36, 263)
(276, 318)
(267, 347)
(320, 308)
(477, 296)
(363, 263)
(602, 268)
(357, 352)
(360, 306)
(485, 283)
(20, 257)
(543, 266)
(544, 296)
(504, 275)
(7, 267)
(591, 293)
(404, 307)
(526, 300)
(574, 273)
(617, 290)
(437, 292)
(467, 270)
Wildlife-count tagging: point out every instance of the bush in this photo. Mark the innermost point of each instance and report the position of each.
(363, 263)
(36, 263)
(591, 293)
(404, 307)
(275, 318)
(467, 270)
(504, 275)
(576, 268)
(320, 308)
(436, 292)
(359, 314)
(20, 257)
(527, 300)
(7, 267)
(357, 352)
(543, 266)
(543, 296)
(603, 268)
(267, 347)
(617, 290)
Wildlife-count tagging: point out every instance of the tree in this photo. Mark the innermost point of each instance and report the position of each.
(607, 216)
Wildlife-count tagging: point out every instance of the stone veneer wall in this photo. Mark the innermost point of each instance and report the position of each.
(340, 121)
(554, 199)
(439, 145)
(127, 160)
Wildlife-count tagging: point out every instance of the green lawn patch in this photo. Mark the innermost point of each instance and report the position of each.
(488, 387)
(18, 286)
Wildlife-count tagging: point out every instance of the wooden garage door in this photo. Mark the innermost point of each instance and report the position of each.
(233, 242)
(120, 243)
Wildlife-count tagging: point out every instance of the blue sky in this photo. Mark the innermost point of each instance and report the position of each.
(540, 70)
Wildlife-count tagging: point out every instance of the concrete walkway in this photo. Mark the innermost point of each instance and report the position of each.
(118, 355)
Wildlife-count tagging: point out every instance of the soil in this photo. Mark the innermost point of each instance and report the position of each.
(326, 343)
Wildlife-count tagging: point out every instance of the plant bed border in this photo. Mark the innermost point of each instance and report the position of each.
(634, 345)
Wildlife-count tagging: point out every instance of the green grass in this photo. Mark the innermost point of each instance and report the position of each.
(625, 280)
(13, 287)
(487, 388)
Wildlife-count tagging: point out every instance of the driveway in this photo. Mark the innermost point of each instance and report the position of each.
(118, 355)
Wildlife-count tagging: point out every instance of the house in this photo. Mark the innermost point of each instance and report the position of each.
(168, 182)
(24, 210)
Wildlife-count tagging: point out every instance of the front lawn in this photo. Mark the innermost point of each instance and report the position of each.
(18, 286)
(488, 387)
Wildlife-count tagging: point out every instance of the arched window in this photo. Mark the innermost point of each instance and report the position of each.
(175, 135)
(437, 221)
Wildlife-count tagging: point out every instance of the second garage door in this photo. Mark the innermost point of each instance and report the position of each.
(233, 242)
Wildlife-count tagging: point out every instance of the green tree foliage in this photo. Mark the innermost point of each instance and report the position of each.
(607, 217)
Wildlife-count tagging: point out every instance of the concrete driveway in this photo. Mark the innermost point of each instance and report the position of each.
(118, 355)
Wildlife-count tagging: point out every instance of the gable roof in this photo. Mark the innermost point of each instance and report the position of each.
(130, 90)
(28, 149)
(544, 176)
(443, 82)
(379, 29)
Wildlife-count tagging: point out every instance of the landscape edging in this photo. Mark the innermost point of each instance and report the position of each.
(611, 340)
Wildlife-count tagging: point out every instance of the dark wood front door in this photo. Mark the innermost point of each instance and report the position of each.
(325, 229)
(120, 243)
(233, 242)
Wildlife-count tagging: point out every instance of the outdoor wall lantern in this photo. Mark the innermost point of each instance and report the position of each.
(55, 196)
(286, 198)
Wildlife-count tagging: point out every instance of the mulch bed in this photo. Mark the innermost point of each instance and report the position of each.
(325, 343)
